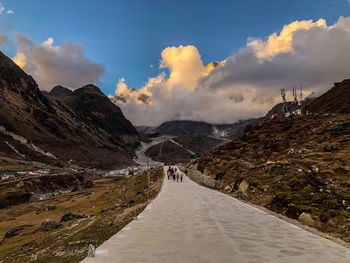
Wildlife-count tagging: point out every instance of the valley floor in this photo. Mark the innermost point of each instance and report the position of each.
(191, 223)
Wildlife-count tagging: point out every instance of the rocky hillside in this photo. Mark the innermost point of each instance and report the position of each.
(93, 108)
(38, 128)
(297, 166)
(336, 100)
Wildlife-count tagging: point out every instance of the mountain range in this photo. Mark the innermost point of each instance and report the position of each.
(81, 126)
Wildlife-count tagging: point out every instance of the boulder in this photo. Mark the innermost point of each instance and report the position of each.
(243, 186)
(228, 188)
(49, 207)
(50, 224)
(70, 216)
(307, 220)
(291, 152)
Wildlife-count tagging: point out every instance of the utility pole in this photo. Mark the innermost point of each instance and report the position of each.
(148, 177)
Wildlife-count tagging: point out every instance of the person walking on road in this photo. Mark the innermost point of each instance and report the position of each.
(181, 176)
(177, 176)
(174, 175)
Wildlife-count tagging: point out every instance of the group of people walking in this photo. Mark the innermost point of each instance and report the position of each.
(175, 174)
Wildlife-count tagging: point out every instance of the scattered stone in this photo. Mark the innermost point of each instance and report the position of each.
(228, 188)
(291, 152)
(344, 203)
(302, 151)
(49, 207)
(307, 220)
(46, 207)
(70, 216)
(103, 210)
(50, 224)
(331, 148)
(314, 168)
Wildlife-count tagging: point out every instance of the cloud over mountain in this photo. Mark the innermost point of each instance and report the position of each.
(246, 84)
(4, 39)
(50, 65)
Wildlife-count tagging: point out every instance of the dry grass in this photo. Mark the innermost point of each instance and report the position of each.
(109, 205)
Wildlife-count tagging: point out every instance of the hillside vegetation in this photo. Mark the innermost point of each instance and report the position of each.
(292, 166)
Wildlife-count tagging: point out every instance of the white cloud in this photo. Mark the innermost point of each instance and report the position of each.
(65, 64)
(2, 8)
(248, 83)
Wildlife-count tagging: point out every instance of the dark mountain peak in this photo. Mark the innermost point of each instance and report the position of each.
(59, 90)
(336, 100)
(90, 88)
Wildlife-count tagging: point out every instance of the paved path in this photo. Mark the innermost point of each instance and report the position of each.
(190, 223)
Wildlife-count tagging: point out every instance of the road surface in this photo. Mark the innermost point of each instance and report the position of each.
(190, 223)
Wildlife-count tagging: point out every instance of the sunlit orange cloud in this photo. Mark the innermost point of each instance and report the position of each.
(185, 67)
(20, 60)
(283, 42)
(246, 84)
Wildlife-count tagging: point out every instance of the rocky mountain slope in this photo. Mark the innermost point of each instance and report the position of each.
(296, 166)
(38, 128)
(93, 108)
(336, 100)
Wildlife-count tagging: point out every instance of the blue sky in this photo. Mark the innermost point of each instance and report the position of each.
(129, 36)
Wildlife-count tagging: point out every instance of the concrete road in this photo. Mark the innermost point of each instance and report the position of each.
(190, 223)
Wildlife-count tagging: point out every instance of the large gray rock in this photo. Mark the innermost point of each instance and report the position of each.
(50, 224)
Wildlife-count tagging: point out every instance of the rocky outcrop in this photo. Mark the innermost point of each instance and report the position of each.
(50, 224)
(70, 216)
(15, 231)
(200, 178)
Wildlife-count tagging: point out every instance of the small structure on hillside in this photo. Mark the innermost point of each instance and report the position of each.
(294, 107)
